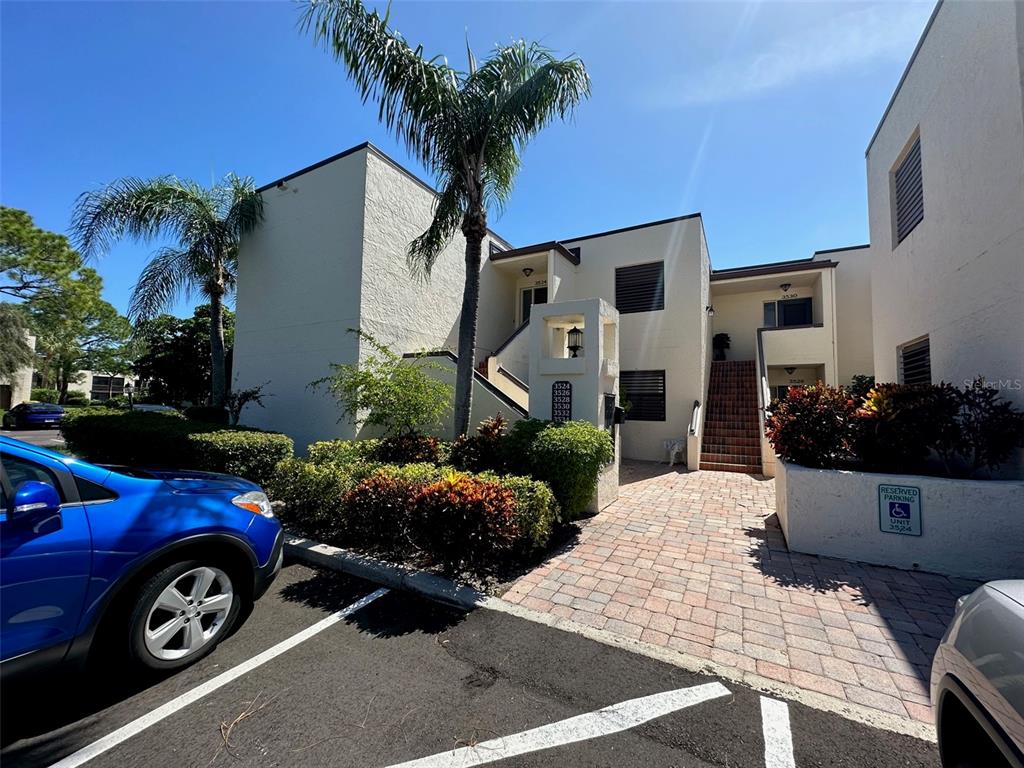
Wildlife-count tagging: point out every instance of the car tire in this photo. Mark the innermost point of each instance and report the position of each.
(183, 612)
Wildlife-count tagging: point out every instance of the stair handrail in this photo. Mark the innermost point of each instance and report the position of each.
(694, 417)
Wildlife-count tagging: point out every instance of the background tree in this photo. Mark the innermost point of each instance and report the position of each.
(15, 353)
(77, 330)
(205, 225)
(468, 128)
(174, 355)
(33, 262)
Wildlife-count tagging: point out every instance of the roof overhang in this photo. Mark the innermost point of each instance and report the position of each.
(531, 250)
(781, 268)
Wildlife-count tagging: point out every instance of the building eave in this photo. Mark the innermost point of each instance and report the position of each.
(529, 250)
(779, 268)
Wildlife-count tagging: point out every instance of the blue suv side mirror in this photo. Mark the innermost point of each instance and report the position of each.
(33, 498)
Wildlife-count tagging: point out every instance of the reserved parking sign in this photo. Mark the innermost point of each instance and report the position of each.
(899, 509)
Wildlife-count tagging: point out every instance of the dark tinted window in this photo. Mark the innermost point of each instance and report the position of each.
(645, 393)
(640, 288)
(21, 470)
(90, 491)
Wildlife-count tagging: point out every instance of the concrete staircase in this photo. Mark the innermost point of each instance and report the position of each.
(731, 440)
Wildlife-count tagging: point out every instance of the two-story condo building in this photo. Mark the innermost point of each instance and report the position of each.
(331, 256)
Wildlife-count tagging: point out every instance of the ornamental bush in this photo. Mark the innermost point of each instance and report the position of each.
(897, 425)
(377, 511)
(313, 497)
(569, 457)
(537, 510)
(482, 451)
(341, 451)
(517, 444)
(44, 395)
(813, 426)
(246, 453)
(463, 521)
(408, 448)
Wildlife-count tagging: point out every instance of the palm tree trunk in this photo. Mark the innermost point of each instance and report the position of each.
(218, 384)
(467, 326)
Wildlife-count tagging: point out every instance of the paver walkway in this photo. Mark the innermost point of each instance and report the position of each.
(696, 562)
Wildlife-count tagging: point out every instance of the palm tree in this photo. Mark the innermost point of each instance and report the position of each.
(205, 225)
(468, 128)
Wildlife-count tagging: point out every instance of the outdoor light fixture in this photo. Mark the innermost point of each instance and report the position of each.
(527, 271)
(789, 370)
(129, 390)
(710, 310)
(785, 287)
(575, 340)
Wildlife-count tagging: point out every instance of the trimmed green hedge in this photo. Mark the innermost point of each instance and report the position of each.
(164, 439)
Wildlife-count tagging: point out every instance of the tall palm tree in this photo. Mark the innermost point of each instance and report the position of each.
(468, 128)
(205, 224)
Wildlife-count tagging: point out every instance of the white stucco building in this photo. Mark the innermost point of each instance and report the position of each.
(945, 178)
(18, 388)
(330, 256)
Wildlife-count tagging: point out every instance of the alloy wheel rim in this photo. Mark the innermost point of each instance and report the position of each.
(188, 614)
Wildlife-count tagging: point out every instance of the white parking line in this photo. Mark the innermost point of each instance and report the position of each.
(613, 719)
(778, 741)
(142, 723)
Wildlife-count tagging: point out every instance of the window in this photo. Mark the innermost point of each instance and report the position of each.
(908, 194)
(529, 297)
(21, 470)
(90, 491)
(769, 314)
(788, 313)
(914, 360)
(645, 393)
(640, 288)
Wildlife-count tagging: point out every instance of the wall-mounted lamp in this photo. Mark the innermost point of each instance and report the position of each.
(710, 310)
(789, 371)
(785, 287)
(527, 271)
(575, 340)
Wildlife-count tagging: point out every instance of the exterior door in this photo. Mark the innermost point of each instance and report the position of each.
(529, 297)
(44, 560)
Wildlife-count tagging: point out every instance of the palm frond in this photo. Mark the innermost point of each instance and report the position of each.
(171, 273)
(245, 204)
(424, 250)
(416, 97)
(142, 209)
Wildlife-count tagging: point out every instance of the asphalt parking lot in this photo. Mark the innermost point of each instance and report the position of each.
(44, 438)
(402, 679)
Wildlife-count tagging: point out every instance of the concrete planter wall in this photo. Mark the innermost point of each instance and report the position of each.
(969, 528)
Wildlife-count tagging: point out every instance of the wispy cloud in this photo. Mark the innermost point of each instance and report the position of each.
(851, 39)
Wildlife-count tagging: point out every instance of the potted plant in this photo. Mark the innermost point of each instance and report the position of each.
(720, 343)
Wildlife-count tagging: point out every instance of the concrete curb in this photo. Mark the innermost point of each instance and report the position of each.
(461, 596)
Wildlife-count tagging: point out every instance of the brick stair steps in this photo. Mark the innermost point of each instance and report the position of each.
(731, 441)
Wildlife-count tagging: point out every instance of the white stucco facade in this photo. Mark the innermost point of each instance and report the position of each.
(18, 388)
(958, 276)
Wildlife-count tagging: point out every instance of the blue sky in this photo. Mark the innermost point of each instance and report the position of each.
(756, 114)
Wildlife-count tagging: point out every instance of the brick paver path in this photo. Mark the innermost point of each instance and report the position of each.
(696, 562)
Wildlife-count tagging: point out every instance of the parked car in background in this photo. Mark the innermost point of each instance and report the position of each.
(159, 565)
(977, 680)
(154, 408)
(33, 416)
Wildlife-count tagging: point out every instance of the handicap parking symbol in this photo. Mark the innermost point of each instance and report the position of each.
(899, 510)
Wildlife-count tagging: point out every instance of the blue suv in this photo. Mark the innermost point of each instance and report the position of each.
(158, 565)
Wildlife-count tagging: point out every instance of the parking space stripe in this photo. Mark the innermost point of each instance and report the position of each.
(613, 719)
(166, 710)
(778, 740)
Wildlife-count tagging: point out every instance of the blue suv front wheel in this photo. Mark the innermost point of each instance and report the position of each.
(183, 612)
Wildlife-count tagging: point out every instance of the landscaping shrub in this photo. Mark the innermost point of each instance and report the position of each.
(117, 402)
(463, 521)
(420, 473)
(247, 453)
(207, 413)
(989, 431)
(516, 445)
(377, 513)
(482, 451)
(813, 426)
(44, 395)
(341, 451)
(408, 448)
(536, 509)
(897, 425)
(167, 439)
(569, 458)
(860, 385)
(76, 400)
(313, 496)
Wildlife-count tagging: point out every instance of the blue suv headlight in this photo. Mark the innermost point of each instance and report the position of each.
(254, 501)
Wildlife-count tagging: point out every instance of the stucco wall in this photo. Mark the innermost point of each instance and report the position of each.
(298, 293)
(21, 381)
(741, 314)
(670, 339)
(959, 275)
(969, 528)
(852, 279)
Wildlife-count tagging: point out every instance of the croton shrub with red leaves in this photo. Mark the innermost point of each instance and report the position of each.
(813, 426)
(465, 522)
